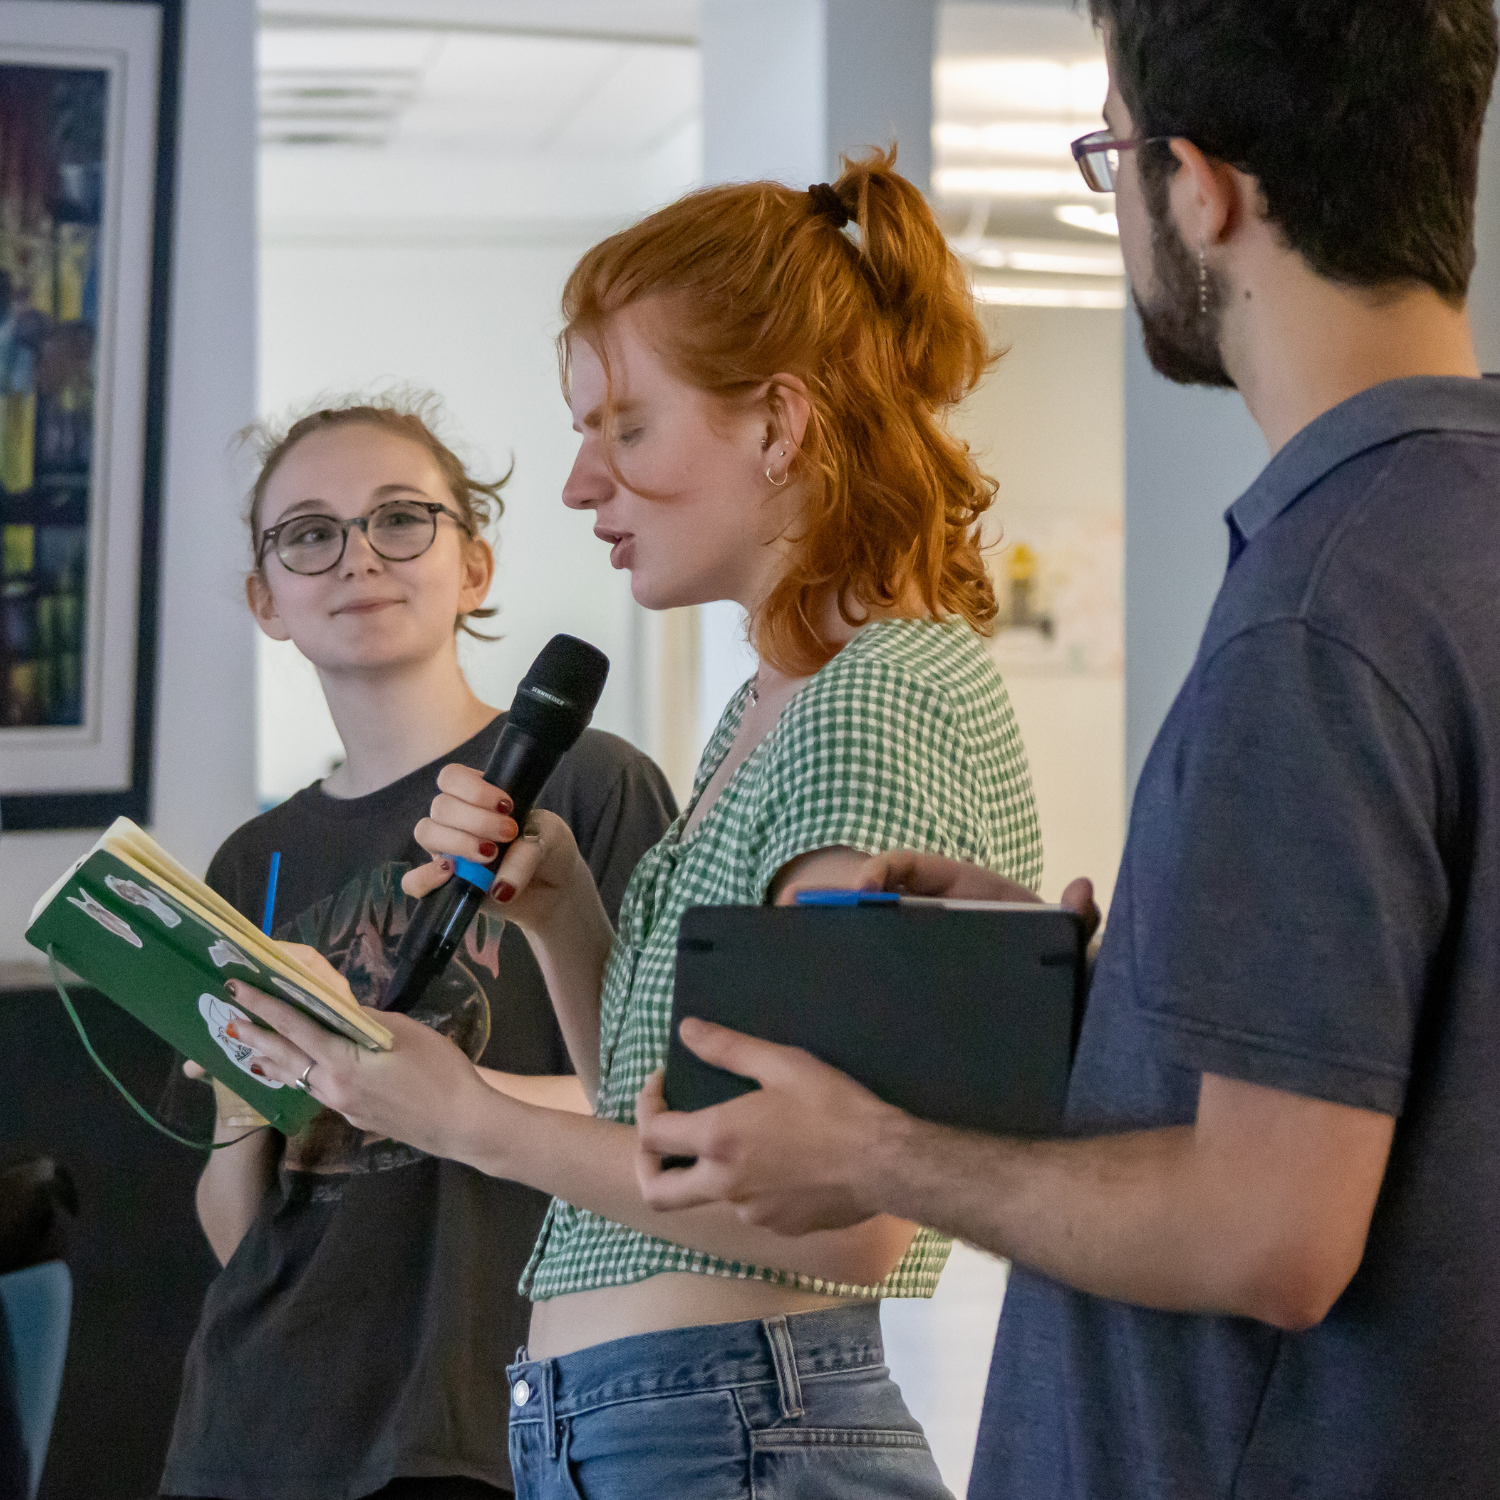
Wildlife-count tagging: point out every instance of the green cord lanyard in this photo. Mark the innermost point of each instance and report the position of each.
(130, 1098)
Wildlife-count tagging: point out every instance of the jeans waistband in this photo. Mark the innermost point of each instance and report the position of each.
(782, 1350)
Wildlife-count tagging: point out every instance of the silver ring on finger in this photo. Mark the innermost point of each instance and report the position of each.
(301, 1083)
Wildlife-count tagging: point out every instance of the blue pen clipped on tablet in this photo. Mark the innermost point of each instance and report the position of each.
(832, 896)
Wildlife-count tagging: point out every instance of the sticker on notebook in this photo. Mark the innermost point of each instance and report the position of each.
(105, 917)
(142, 895)
(224, 953)
(223, 1021)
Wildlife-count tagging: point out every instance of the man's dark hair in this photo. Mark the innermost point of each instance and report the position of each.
(1360, 119)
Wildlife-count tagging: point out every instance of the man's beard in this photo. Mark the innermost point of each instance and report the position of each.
(1182, 340)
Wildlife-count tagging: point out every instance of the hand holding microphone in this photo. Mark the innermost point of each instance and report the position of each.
(536, 868)
(551, 709)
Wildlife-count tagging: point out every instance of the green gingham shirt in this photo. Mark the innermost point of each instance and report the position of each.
(905, 740)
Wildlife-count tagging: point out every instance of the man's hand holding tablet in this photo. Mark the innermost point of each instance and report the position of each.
(754, 1151)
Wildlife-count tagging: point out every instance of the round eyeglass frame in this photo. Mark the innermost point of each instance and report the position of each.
(272, 534)
(1092, 153)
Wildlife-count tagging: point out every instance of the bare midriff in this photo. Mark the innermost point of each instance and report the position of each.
(674, 1299)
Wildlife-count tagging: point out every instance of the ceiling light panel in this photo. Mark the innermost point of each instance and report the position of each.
(326, 88)
(1046, 257)
(1099, 299)
(967, 88)
(1007, 182)
(1013, 87)
(1095, 220)
(1034, 140)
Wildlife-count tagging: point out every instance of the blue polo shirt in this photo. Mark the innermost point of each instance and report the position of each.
(1310, 900)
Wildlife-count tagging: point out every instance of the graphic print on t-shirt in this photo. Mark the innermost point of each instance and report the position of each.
(358, 930)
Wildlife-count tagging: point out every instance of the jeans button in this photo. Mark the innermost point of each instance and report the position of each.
(521, 1393)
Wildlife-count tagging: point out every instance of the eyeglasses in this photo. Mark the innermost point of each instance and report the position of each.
(398, 531)
(1098, 157)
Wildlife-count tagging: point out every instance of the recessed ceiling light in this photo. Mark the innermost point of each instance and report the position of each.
(1100, 299)
(1007, 182)
(1049, 140)
(1043, 257)
(1020, 86)
(1081, 216)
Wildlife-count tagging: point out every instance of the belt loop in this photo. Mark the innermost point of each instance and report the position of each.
(784, 1361)
(531, 1384)
(545, 1371)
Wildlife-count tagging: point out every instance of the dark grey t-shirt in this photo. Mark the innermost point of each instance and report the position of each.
(1309, 900)
(361, 1330)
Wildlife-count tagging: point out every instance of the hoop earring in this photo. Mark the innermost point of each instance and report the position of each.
(1202, 281)
(781, 483)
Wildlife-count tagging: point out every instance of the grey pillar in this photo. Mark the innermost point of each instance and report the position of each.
(1188, 454)
(790, 84)
(1484, 290)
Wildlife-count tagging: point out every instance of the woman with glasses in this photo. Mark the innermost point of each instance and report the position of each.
(356, 1341)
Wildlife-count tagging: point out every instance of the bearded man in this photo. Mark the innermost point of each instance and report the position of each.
(1264, 1262)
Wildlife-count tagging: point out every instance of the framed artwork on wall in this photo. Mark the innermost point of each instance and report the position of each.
(88, 110)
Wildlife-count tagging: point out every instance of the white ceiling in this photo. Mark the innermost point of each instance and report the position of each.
(446, 113)
(473, 93)
(660, 20)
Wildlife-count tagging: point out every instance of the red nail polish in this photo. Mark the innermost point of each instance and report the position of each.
(230, 1031)
(505, 803)
(488, 850)
(259, 1071)
(503, 891)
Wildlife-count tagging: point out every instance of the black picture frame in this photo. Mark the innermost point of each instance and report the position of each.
(90, 807)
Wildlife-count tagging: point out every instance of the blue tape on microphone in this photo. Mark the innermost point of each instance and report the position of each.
(480, 875)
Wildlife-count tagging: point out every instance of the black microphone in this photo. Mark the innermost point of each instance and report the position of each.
(552, 707)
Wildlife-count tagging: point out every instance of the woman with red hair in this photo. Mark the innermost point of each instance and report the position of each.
(761, 379)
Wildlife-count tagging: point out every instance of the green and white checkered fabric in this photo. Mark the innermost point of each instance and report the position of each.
(905, 740)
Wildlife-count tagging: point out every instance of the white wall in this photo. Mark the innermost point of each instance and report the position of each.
(1046, 423)
(203, 769)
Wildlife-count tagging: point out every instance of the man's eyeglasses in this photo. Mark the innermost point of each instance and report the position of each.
(1098, 157)
(398, 531)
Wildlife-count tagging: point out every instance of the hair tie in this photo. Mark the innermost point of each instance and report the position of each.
(826, 201)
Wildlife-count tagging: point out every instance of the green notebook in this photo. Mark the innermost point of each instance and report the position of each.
(136, 925)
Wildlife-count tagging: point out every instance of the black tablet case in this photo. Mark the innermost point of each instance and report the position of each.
(966, 1018)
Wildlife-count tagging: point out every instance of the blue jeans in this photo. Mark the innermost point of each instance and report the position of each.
(790, 1406)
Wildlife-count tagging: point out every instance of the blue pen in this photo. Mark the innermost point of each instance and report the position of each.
(836, 897)
(265, 921)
